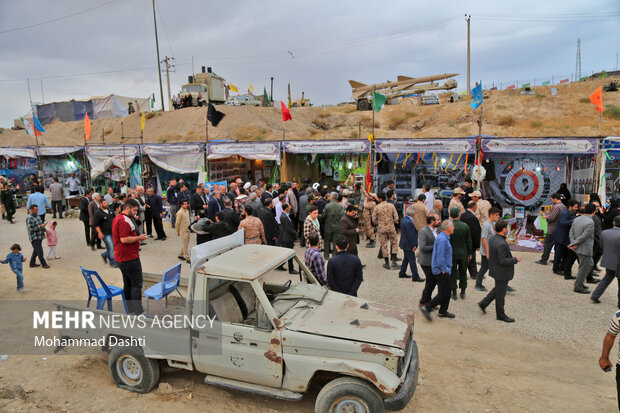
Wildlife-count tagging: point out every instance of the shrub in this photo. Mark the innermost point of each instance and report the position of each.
(507, 120)
(535, 124)
(319, 123)
(612, 112)
(353, 135)
(501, 107)
(584, 100)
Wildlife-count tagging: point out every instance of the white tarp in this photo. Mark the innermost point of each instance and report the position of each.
(264, 151)
(102, 158)
(177, 158)
(58, 150)
(18, 152)
(426, 145)
(113, 106)
(343, 146)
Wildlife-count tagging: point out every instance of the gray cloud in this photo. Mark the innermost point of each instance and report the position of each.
(247, 42)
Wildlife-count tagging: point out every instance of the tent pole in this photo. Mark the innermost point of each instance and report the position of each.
(125, 169)
(206, 160)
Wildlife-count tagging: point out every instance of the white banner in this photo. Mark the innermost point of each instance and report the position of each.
(102, 158)
(547, 145)
(58, 150)
(249, 150)
(327, 146)
(18, 152)
(177, 158)
(425, 145)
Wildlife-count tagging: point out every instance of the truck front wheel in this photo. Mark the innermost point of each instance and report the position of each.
(348, 394)
(132, 371)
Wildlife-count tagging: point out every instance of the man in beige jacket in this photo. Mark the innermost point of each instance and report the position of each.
(182, 226)
(420, 212)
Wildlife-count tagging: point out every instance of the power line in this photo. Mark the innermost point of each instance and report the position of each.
(161, 18)
(57, 18)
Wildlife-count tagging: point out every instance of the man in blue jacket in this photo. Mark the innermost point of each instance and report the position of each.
(564, 258)
(344, 270)
(409, 243)
(442, 269)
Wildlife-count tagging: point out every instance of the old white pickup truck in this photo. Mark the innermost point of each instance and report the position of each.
(272, 335)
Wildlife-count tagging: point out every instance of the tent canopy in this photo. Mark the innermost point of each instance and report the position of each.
(266, 151)
(181, 158)
(538, 146)
(114, 106)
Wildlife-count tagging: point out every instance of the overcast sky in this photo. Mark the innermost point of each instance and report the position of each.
(112, 47)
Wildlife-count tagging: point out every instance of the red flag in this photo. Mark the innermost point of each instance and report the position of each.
(563, 81)
(286, 114)
(367, 178)
(511, 87)
(597, 99)
(86, 127)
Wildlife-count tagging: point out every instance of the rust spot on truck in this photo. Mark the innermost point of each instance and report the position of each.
(275, 341)
(369, 374)
(383, 388)
(277, 322)
(372, 323)
(272, 356)
(402, 343)
(369, 348)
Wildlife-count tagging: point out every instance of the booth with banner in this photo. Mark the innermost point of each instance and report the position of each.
(17, 165)
(162, 162)
(412, 163)
(327, 161)
(61, 162)
(609, 169)
(523, 173)
(249, 161)
(111, 164)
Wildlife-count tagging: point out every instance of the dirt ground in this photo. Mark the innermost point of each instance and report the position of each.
(546, 361)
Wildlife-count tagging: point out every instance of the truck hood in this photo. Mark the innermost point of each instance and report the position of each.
(352, 318)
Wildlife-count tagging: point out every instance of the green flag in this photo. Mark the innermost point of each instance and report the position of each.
(153, 101)
(546, 83)
(378, 100)
(266, 95)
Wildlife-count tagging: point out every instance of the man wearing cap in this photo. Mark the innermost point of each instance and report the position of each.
(386, 217)
(369, 229)
(349, 229)
(456, 200)
(482, 207)
(460, 240)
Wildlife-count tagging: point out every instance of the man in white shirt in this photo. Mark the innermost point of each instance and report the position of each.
(74, 184)
(430, 197)
(109, 196)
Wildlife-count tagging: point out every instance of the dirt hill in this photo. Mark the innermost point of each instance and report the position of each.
(506, 113)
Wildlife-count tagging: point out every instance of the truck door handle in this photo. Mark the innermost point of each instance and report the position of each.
(253, 344)
(212, 337)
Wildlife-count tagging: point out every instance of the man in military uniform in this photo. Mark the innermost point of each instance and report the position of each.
(455, 202)
(254, 232)
(460, 240)
(386, 217)
(482, 207)
(369, 229)
(331, 215)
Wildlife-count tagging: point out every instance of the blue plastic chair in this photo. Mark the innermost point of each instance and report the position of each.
(103, 293)
(169, 283)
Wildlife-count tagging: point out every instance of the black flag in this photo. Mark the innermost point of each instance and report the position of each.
(214, 116)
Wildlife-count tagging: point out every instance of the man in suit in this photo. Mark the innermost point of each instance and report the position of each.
(268, 217)
(155, 206)
(581, 237)
(502, 269)
(84, 215)
(199, 200)
(349, 228)
(409, 243)
(564, 258)
(93, 206)
(171, 197)
(552, 218)
(344, 270)
(610, 241)
(597, 249)
(231, 218)
(469, 217)
(288, 233)
(441, 265)
(426, 242)
(214, 205)
(461, 253)
(420, 211)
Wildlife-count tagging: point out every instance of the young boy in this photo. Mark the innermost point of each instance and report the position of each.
(15, 259)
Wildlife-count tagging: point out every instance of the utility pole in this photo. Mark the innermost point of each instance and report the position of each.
(578, 62)
(43, 95)
(468, 17)
(35, 131)
(161, 89)
(168, 66)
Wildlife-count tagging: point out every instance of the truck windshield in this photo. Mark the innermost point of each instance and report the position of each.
(193, 88)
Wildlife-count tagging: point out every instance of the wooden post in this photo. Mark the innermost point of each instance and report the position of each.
(206, 159)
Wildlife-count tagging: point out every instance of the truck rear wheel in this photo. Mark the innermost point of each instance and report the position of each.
(363, 104)
(132, 371)
(348, 394)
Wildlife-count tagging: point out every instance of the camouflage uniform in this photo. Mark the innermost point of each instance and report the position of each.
(456, 203)
(482, 210)
(386, 217)
(254, 232)
(369, 207)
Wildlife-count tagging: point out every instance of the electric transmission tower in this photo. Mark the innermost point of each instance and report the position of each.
(578, 62)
